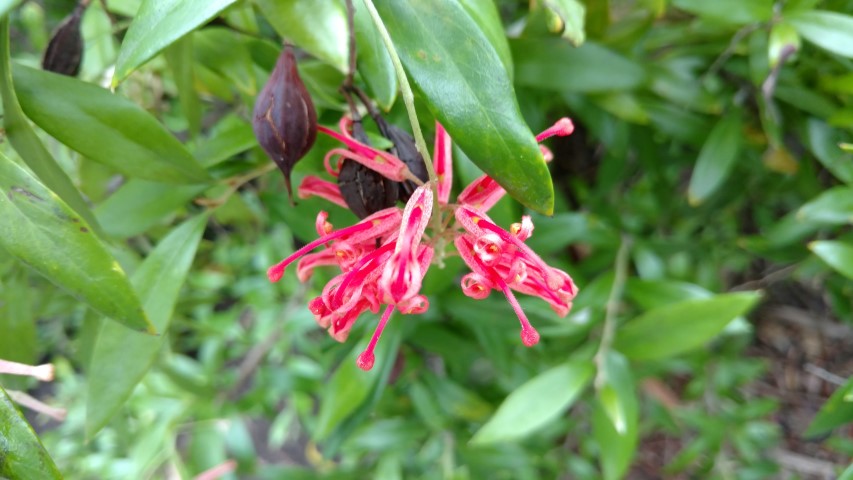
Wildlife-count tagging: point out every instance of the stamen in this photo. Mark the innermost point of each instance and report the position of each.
(560, 128)
(277, 271)
(529, 335)
(367, 358)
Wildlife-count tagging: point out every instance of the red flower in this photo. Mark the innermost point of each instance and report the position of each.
(383, 258)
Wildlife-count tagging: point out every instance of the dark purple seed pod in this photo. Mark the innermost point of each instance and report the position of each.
(365, 191)
(405, 150)
(284, 119)
(64, 52)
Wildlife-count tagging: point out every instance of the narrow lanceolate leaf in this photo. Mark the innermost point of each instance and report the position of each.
(26, 142)
(831, 31)
(837, 411)
(374, 63)
(838, 255)
(716, 159)
(615, 417)
(121, 357)
(158, 24)
(22, 455)
(42, 231)
(319, 28)
(536, 403)
(679, 327)
(104, 127)
(467, 88)
(834, 206)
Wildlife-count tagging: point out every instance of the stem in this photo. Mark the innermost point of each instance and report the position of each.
(609, 332)
(409, 102)
(351, 30)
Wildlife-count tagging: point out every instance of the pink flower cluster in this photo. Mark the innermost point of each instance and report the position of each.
(384, 257)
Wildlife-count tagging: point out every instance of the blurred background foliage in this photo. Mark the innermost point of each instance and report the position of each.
(702, 206)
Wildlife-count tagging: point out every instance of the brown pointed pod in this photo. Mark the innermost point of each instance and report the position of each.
(284, 119)
(64, 52)
(365, 191)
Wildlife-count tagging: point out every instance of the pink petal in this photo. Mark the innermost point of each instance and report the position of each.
(482, 194)
(443, 153)
(317, 187)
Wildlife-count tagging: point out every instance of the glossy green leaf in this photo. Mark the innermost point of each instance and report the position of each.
(158, 24)
(105, 127)
(737, 12)
(838, 255)
(319, 28)
(831, 31)
(553, 64)
(140, 204)
(179, 56)
(22, 456)
(26, 142)
(837, 411)
(615, 417)
(716, 159)
(834, 206)
(43, 232)
(486, 15)
(466, 87)
(374, 63)
(536, 403)
(121, 357)
(680, 327)
(847, 474)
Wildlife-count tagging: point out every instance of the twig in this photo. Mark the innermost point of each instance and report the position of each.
(35, 405)
(351, 29)
(613, 301)
(824, 374)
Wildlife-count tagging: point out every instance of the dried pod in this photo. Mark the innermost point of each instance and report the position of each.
(405, 150)
(64, 52)
(284, 120)
(365, 191)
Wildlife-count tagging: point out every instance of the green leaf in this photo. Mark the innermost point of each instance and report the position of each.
(736, 12)
(837, 411)
(829, 30)
(374, 63)
(26, 142)
(105, 127)
(716, 159)
(319, 28)
(488, 18)
(615, 417)
(553, 64)
(122, 357)
(536, 403)
(466, 87)
(833, 206)
(349, 387)
(158, 24)
(17, 322)
(140, 204)
(838, 255)
(679, 327)
(847, 474)
(179, 56)
(43, 232)
(22, 456)
(823, 141)
(559, 17)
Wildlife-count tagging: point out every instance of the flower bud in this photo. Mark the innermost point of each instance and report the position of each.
(284, 120)
(65, 50)
(365, 191)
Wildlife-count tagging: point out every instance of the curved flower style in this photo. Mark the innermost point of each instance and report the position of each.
(384, 257)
